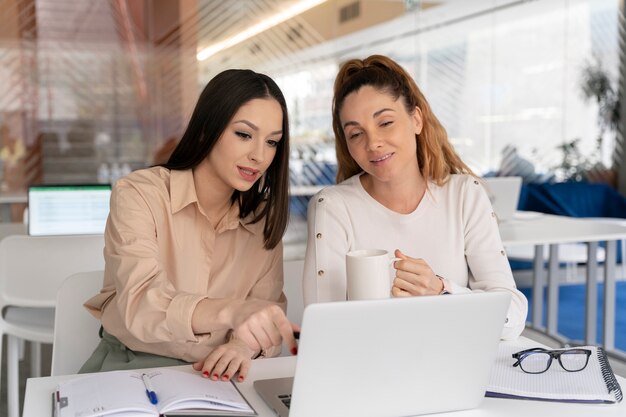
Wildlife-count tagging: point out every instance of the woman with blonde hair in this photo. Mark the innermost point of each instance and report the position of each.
(403, 188)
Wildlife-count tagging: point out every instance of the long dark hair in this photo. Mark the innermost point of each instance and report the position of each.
(217, 105)
(436, 156)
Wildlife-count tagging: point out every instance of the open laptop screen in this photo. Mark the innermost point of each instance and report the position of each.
(67, 209)
(504, 195)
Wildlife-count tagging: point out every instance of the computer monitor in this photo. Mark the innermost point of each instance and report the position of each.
(67, 209)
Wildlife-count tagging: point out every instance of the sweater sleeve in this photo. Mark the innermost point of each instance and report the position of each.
(329, 239)
(486, 258)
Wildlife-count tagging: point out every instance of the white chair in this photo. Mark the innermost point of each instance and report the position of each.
(31, 271)
(75, 330)
(293, 271)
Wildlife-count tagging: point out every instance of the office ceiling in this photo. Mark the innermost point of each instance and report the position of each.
(203, 23)
(329, 20)
(200, 22)
(136, 59)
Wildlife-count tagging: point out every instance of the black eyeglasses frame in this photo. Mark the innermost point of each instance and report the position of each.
(554, 354)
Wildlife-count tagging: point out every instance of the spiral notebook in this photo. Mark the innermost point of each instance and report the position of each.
(594, 384)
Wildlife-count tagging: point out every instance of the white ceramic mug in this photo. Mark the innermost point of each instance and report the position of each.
(368, 273)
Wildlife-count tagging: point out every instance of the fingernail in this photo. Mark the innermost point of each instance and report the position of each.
(240, 379)
(225, 377)
(216, 376)
(294, 350)
(205, 374)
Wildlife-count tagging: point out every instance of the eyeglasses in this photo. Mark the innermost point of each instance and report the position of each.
(538, 360)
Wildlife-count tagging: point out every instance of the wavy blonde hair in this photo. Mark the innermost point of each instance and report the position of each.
(436, 157)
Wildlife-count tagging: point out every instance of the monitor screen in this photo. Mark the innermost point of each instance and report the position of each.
(67, 209)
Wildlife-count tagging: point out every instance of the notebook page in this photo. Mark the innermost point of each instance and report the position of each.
(555, 384)
(94, 395)
(178, 389)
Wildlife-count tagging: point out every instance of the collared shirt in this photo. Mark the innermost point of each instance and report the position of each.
(163, 256)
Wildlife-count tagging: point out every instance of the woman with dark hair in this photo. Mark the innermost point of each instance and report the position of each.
(402, 185)
(193, 247)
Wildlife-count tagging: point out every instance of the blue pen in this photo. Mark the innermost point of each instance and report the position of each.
(149, 390)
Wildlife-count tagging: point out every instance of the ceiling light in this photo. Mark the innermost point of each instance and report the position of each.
(278, 18)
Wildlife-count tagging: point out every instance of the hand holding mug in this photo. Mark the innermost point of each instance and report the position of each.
(414, 277)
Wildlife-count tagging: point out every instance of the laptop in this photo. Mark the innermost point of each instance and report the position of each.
(392, 357)
(504, 195)
(68, 209)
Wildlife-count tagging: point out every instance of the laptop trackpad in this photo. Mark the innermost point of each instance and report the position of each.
(276, 393)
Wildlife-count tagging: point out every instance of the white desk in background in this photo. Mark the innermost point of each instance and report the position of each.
(545, 229)
(10, 197)
(304, 190)
(37, 402)
(8, 229)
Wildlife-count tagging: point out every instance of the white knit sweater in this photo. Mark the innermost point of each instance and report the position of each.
(453, 228)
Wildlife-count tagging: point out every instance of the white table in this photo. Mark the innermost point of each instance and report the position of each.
(304, 190)
(546, 229)
(37, 402)
(285, 366)
(8, 229)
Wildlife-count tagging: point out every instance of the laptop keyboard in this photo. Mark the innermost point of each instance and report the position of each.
(286, 399)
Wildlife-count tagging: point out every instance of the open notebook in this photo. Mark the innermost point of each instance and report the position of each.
(594, 384)
(175, 392)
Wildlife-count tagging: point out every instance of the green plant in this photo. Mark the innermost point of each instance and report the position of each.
(573, 164)
(596, 85)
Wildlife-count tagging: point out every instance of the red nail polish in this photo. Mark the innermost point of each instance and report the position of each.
(205, 374)
(294, 350)
(240, 378)
(225, 377)
(216, 376)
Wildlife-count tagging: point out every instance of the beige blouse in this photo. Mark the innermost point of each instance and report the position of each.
(163, 256)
